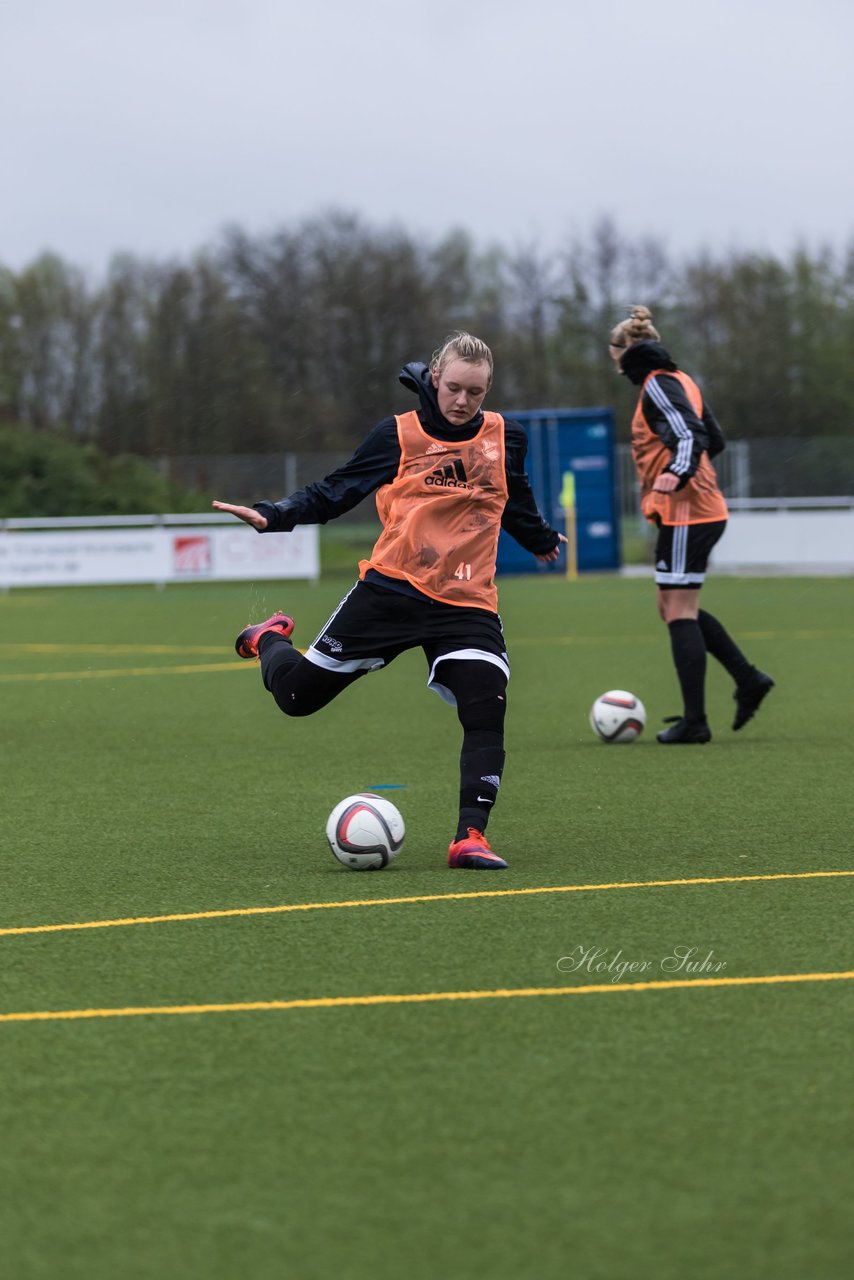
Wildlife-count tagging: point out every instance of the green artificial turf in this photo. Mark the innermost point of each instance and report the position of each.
(690, 1131)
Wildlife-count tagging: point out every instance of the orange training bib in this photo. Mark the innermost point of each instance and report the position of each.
(441, 514)
(700, 501)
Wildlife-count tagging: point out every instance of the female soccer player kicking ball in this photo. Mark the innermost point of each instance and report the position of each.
(447, 476)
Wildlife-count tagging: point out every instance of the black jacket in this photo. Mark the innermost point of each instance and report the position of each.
(669, 412)
(376, 463)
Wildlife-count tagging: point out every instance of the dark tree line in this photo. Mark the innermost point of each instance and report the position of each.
(292, 341)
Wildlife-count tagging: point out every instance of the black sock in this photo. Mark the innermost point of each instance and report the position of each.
(689, 658)
(481, 766)
(721, 645)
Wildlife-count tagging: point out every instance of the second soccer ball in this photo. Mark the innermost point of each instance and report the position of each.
(617, 716)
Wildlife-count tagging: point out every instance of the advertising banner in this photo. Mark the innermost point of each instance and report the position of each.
(53, 557)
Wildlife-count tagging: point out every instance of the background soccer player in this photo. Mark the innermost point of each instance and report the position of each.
(674, 436)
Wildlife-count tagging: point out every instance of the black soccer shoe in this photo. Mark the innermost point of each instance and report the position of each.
(748, 698)
(684, 731)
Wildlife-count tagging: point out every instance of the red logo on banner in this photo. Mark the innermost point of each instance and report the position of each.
(192, 555)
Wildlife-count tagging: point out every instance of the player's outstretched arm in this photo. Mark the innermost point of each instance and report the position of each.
(247, 514)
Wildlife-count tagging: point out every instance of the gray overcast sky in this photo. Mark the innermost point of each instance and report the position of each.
(148, 125)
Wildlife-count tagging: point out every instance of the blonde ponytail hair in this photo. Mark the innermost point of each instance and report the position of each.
(638, 328)
(462, 346)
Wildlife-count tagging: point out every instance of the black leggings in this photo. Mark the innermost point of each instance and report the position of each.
(301, 687)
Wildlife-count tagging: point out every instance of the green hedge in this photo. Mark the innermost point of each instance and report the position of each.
(48, 475)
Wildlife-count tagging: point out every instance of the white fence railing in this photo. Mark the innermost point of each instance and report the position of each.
(788, 535)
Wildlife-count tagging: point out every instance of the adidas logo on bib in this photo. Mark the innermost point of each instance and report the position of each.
(452, 475)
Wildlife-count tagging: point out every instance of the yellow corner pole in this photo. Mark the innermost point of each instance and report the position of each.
(567, 501)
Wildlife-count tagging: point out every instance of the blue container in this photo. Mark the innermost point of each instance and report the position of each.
(581, 441)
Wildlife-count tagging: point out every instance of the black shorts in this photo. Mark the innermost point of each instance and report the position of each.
(373, 625)
(682, 553)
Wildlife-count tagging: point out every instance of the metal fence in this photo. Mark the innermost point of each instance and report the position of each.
(817, 467)
(248, 477)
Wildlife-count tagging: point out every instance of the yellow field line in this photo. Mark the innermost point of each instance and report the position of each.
(193, 668)
(14, 649)
(426, 897)
(426, 997)
(33, 647)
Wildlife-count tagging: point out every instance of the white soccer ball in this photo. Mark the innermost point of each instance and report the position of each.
(617, 716)
(365, 832)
